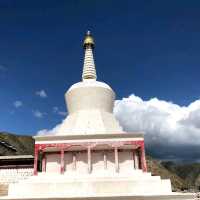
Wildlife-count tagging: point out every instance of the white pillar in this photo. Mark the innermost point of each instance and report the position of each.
(116, 160)
(89, 160)
(142, 159)
(136, 161)
(43, 162)
(105, 160)
(74, 161)
(133, 158)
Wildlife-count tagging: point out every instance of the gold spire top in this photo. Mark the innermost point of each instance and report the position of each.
(88, 41)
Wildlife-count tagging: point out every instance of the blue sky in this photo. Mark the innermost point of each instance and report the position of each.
(147, 48)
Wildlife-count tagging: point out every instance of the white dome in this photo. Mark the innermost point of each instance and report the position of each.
(90, 107)
(90, 95)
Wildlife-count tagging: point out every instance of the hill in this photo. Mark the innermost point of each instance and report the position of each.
(11, 144)
(189, 172)
(156, 168)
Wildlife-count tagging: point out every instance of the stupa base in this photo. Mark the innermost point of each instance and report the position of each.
(99, 184)
(116, 186)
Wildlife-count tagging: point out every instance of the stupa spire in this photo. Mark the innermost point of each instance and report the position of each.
(89, 71)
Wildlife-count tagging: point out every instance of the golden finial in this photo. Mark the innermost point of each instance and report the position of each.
(88, 41)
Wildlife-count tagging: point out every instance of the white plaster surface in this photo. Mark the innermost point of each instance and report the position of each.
(90, 108)
(97, 161)
(53, 163)
(126, 162)
(68, 162)
(82, 186)
(107, 138)
(80, 165)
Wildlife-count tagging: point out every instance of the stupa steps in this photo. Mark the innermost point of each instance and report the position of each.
(64, 179)
(97, 188)
(111, 177)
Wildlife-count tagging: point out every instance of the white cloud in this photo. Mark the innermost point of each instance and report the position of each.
(162, 122)
(41, 94)
(38, 114)
(18, 104)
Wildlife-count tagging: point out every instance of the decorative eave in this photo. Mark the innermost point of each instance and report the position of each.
(86, 137)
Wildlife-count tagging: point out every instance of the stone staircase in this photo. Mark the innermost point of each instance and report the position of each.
(88, 185)
(3, 189)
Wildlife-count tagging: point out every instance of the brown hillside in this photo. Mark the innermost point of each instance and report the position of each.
(156, 168)
(11, 144)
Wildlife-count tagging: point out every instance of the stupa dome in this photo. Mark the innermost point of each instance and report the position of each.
(88, 95)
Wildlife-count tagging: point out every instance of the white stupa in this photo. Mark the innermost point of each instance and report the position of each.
(89, 102)
(90, 157)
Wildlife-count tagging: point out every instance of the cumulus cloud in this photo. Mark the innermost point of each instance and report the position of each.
(162, 122)
(171, 131)
(17, 104)
(38, 114)
(41, 93)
